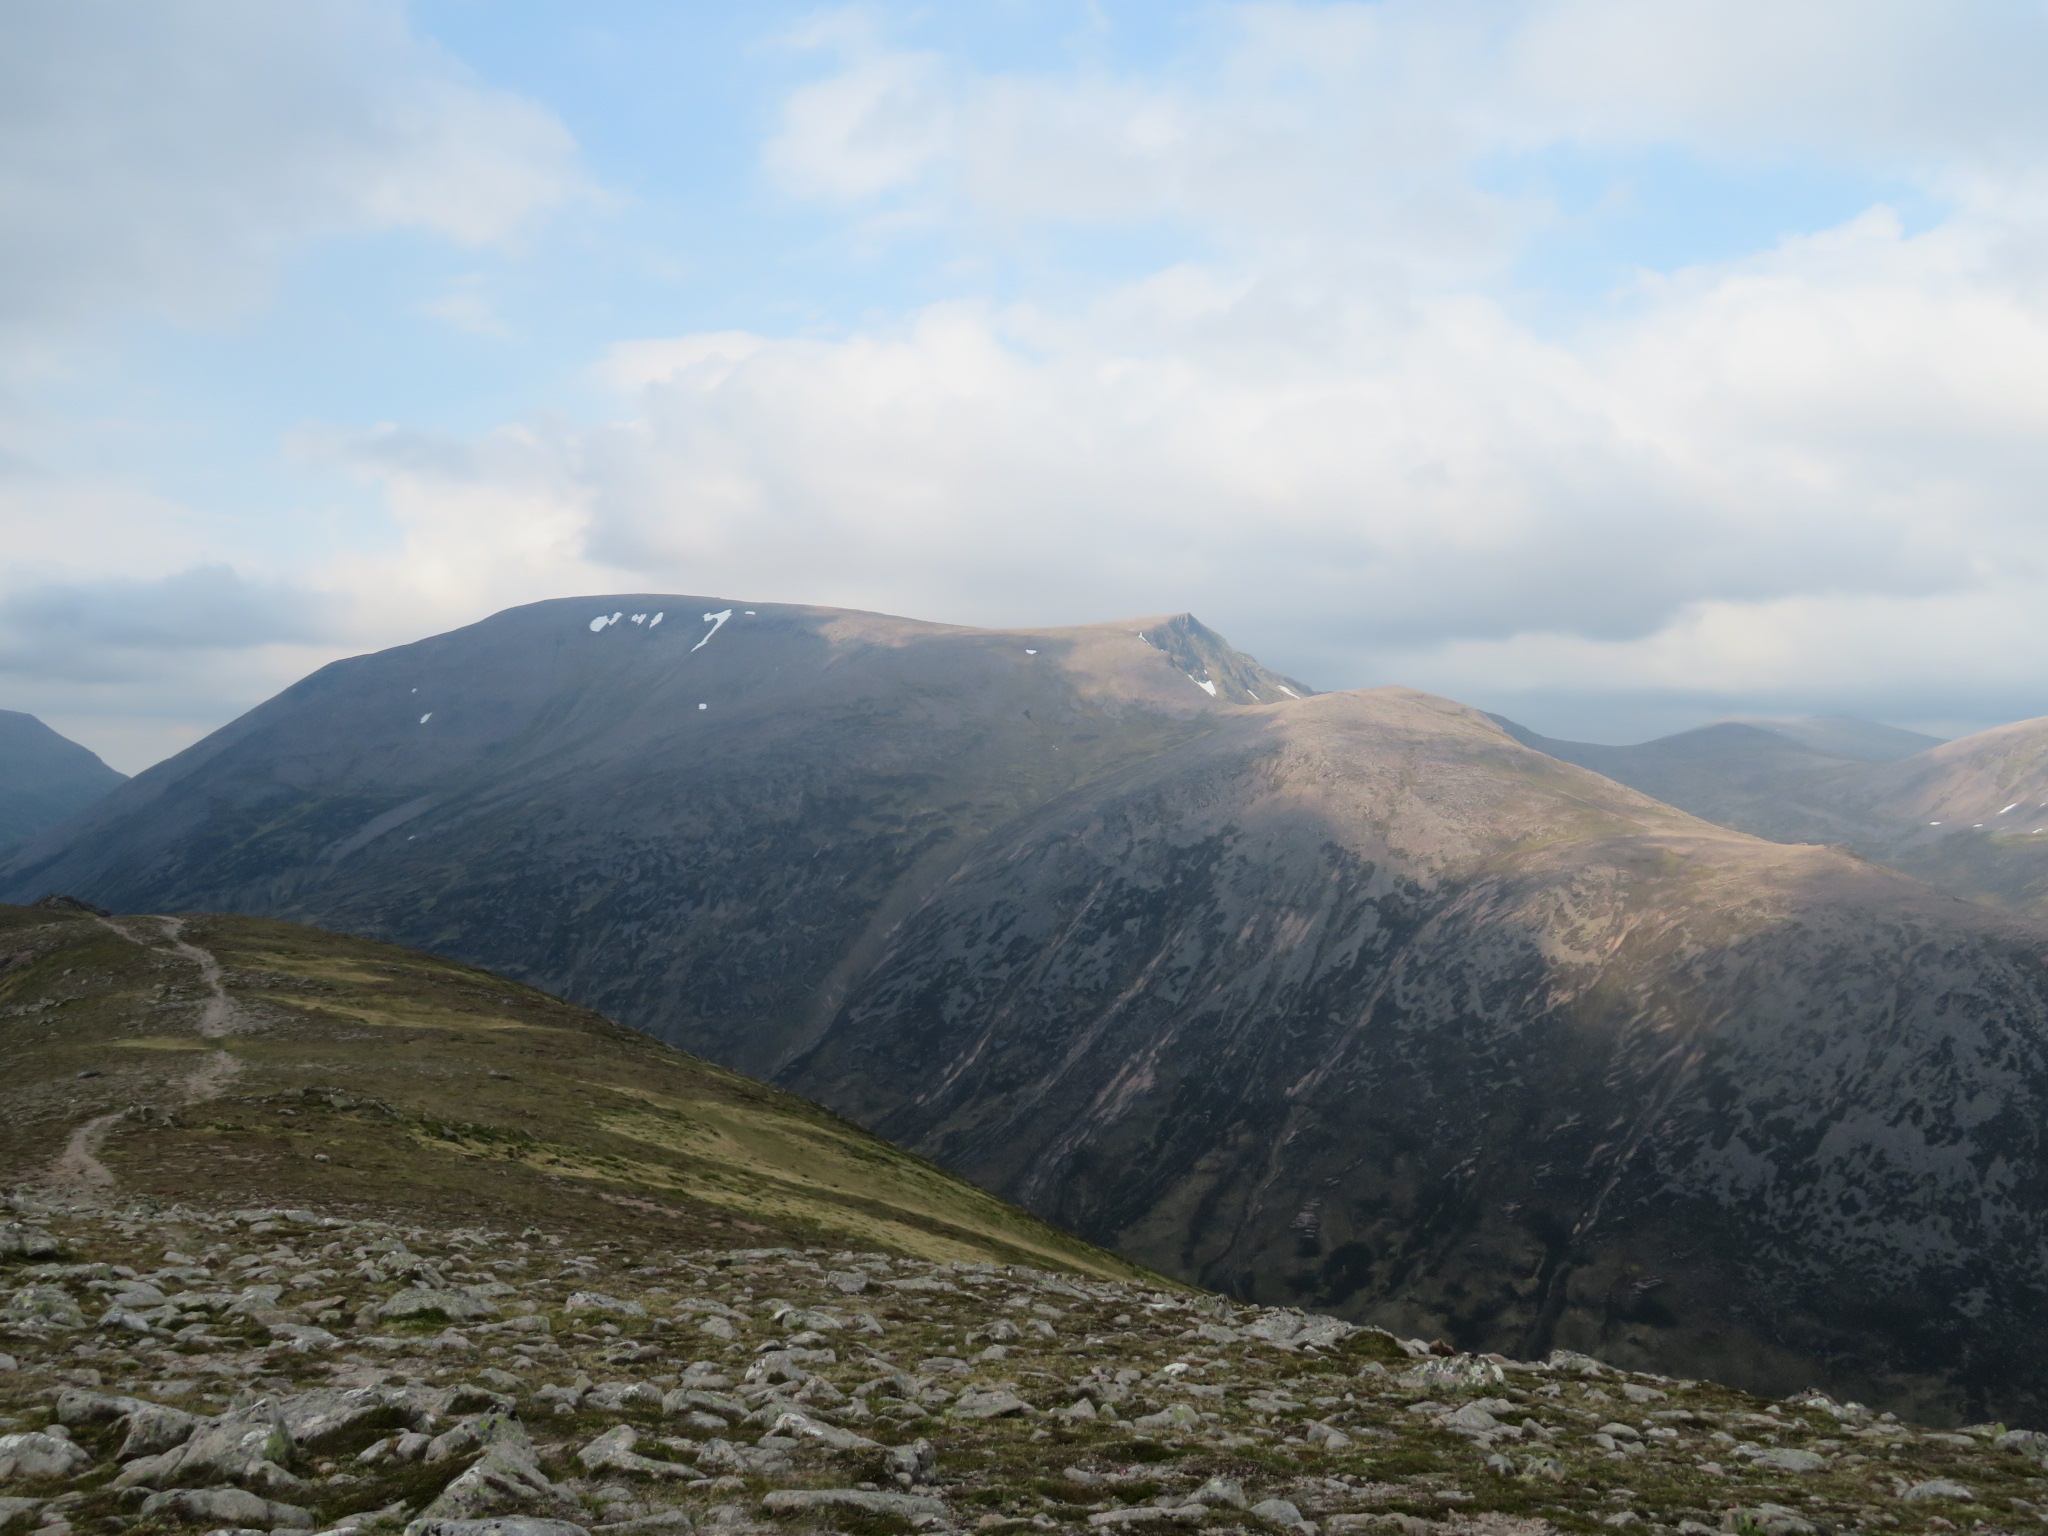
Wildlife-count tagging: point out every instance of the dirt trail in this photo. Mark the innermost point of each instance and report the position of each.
(77, 1171)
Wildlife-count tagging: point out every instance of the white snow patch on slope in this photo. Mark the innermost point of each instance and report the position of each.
(656, 620)
(2013, 807)
(717, 622)
(426, 717)
(1289, 691)
(1203, 683)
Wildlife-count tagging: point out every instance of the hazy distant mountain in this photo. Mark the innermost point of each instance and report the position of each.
(44, 777)
(1842, 736)
(1970, 816)
(1348, 999)
(1734, 774)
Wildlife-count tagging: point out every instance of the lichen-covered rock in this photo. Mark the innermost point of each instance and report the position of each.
(28, 1457)
(430, 1301)
(235, 1507)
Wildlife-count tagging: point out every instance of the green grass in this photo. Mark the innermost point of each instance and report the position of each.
(460, 1096)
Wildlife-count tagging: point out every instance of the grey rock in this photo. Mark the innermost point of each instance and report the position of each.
(1937, 1488)
(990, 1404)
(226, 1506)
(597, 1301)
(18, 1241)
(504, 1480)
(1279, 1511)
(32, 1455)
(154, 1429)
(623, 1396)
(45, 1304)
(1221, 1490)
(1784, 1458)
(499, 1525)
(917, 1460)
(425, 1301)
(613, 1451)
(803, 1426)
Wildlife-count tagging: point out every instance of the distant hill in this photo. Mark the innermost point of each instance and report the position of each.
(44, 777)
(1843, 736)
(1970, 816)
(235, 1060)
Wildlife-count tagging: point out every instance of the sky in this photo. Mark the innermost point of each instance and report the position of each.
(1614, 366)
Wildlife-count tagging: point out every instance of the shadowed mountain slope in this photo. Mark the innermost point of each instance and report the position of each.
(701, 819)
(234, 1060)
(1361, 1005)
(44, 777)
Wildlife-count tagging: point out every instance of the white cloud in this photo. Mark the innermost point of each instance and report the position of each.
(1684, 498)
(1808, 475)
(160, 158)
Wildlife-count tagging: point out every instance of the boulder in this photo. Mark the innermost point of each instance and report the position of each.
(33, 1455)
(24, 1242)
(226, 1506)
(597, 1301)
(45, 1304)
(1937, 1488)
(621, 1396)
(802, 1426)
(1784, 1458)
(429, 1301)
(242, 1447)
(504, 1480)
(613, 1451)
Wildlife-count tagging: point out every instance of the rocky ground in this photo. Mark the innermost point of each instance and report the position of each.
(167, 1369)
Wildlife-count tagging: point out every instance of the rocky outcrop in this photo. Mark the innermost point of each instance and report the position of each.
(949, 1397)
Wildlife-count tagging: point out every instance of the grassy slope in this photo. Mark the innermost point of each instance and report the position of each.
(456, 1093)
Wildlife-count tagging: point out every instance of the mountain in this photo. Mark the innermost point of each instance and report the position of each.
(44, 777)
(1734, 774)
(1970, 816)
(698, 817)
(1844, 736)
(1348, 1000)
(1361, 1005)
(242, 1061)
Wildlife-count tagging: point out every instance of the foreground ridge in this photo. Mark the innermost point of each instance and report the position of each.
(289, 1370)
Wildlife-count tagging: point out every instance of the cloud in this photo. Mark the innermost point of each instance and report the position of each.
(161, 158)
(114, 629)
(1681, 497)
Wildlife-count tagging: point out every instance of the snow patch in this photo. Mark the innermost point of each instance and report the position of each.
(639, 618)
(1289, 691)
(426, 717)
(2013, 807)
(717, 622)
(656, 620)
(748, 612)
(598, 623)
(1029, 652)
(1203, 683)
(1254, 695)
(703, 706)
